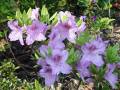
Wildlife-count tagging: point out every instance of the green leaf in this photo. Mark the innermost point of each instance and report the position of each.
(55, 20)
(99, 73)
(112, 55)
(53, 16)
(29, 12)
(36, 56)
(18, 14)
(44, 14)
(83, 38)
(37, 85)
(102, 23)
(62, 3)
(73, 56)
(79, 22)
(49, 51)
(19, 17)
(24, 17)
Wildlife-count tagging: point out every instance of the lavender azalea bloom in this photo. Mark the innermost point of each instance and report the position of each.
(95, 47)
(93, 50)
(82, 68)
(66, 30)
(82, 27)
(35, 14)
(47, 73)
(63, 16)
(110, 77)
(55, 38)
(66, 26)
(56, 44)
(93, 58)
(44, 50)
(16, 33)
(58, 62)
(36, 32)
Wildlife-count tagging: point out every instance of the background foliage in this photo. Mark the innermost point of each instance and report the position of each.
(9, 79)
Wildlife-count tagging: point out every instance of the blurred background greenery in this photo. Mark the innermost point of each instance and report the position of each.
(8, 8)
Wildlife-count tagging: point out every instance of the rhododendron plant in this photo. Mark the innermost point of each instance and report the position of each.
(67, 44)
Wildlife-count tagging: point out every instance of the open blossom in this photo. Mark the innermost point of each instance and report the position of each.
(16, 33)
(56, 44)
(47, 73)
(63, 16)
(94, 59)
(97, 46)
(53, 64)
(58, 62)
(83, 69)
(35, 32)
(92, 52)
(35, 14)
(66, 28)
(110, 76)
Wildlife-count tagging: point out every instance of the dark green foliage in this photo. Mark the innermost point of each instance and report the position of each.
(112, 55)
(73, 56)
(7, 8)
(83, 38)
(101, 24)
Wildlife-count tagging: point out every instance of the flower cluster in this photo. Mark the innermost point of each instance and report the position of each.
(53, 63)
(55, 54)
(35, 32)
(92, 54)
(67, 28)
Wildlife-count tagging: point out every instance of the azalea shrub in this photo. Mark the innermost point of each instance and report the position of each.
(61, 44)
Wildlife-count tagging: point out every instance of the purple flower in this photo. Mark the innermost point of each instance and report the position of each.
(82, 26)
(56, 44)
(16, 33)
(58, 61)
(35, 14)
(64, 16)
(65, 30)
(83, 18)
(92, 52)
(35, 32)
(47, 73)
(110, 77)
(95, 47)
(94, 18)
(44, 50)
(82, 68)
(93, 58)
